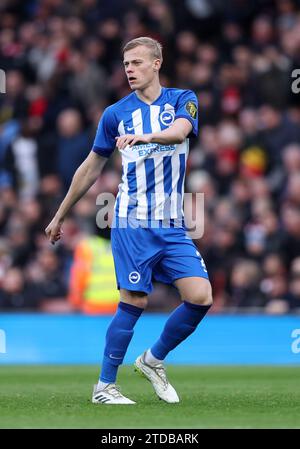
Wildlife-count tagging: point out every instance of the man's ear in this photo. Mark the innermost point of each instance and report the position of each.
(157, 65)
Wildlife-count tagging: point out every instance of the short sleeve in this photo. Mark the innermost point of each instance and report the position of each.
(187, 107)
(105, 143)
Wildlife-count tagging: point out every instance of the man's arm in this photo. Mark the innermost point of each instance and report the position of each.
(83, 179)
(180, 129)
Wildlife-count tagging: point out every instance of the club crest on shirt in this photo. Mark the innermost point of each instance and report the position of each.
(191, 108)
(167, 117)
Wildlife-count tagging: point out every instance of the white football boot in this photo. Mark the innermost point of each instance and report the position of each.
(109, 395)
(157, 376)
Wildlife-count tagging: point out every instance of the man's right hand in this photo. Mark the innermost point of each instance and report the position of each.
(54, 231)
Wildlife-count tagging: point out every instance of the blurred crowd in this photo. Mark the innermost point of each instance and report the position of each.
(63, 65)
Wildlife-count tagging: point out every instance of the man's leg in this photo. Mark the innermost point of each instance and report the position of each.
(196, 295)
(120, 333)
(197, 298)
(118, 337)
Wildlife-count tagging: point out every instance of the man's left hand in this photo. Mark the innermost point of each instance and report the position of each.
(131, 139)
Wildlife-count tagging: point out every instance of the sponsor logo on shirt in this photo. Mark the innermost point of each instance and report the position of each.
(145, 150)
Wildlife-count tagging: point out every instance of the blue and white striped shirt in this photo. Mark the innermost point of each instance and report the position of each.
(153, 174)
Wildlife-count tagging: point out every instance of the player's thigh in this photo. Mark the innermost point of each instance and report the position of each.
(196, 290)
(135, 298)
(134, 255)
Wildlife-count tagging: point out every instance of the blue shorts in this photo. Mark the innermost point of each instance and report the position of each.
(162, 254)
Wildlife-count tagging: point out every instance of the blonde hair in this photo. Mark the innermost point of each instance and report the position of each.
(152, 44)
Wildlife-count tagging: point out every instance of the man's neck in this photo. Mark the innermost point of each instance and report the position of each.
(150, 93)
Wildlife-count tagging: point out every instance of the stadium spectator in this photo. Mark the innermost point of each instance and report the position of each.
(88, 81)
(92, 281)
(245, 290)
(21, 161)
(73, 144)
(293, 296)
(16, 293)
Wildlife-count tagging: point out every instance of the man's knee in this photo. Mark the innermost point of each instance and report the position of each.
(202, 295)
(137, 299)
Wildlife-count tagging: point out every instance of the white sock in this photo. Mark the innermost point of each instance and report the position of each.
(101, 385)
(150, 359)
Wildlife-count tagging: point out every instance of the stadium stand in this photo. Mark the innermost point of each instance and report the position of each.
(62, 64)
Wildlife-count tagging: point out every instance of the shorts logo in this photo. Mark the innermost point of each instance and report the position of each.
(191, 108)
(134, 277)
(167, 118)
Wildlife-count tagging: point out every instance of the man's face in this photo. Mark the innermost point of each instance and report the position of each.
(140, 67)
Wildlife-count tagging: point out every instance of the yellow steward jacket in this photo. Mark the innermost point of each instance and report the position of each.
(92, 286)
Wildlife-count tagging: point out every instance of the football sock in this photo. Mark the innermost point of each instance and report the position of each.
(101, 385)
(118, 337)
(181, 323)
(150, 359)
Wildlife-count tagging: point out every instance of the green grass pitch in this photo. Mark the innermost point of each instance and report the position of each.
(211, 397)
